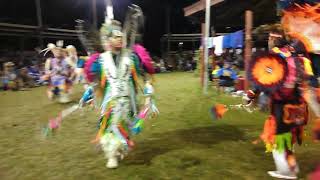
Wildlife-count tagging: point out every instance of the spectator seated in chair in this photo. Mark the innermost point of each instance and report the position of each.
(169, 68)
(227, 76)
(26, 80)
(10, 78)
(34, 73)
(214, 76)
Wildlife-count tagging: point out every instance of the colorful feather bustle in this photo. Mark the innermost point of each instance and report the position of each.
(88, 68)
(292, 73)
(303, 22)
(268, 72)
(144, 57)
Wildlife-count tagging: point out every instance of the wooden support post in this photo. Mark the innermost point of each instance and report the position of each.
(248, 45)
(194, 8)
(203, 27)
(40, 24)
(206, 49)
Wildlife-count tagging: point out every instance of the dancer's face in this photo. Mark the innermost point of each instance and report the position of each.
(116, 42)
(58, 53)
(273, 38)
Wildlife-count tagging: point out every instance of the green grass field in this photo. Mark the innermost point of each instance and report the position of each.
(182, 143)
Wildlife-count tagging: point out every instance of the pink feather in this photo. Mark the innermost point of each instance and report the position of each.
(291, 78)
(144, 57)
(143, 114)
(87, 67)
(53, 124)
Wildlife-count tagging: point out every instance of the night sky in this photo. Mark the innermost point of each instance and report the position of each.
(62, 13)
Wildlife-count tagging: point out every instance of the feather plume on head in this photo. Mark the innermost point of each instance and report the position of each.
(109, 12)
(60, 43)
(111, 28)
(54, 48)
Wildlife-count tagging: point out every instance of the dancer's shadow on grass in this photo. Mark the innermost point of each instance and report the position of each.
(162, 143)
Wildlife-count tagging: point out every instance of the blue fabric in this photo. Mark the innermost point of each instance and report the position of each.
(33, 70)
(226, 41)
(58, 80)
(236, 39)
(233, 40)
(80, 63)
(227, 72)
(34, 73)
(96, 67)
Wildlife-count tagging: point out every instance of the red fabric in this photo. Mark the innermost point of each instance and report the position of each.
(284, 93)
(240, 84)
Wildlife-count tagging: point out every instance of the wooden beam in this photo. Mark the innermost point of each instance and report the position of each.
(199, 6)
(36, 36)
(62, 30)
(248, 47)
(40, 23)
(18, 26)
(10, 25)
